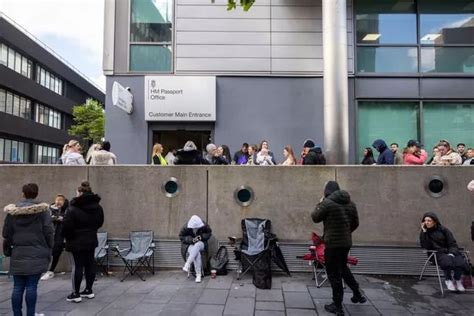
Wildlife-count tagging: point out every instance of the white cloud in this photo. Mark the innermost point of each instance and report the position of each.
(78, 20)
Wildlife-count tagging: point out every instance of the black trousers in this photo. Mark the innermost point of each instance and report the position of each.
(84, 263)
(336, 268)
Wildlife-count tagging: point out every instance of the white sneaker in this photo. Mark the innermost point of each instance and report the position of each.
(186, 267)
(36, 314)
(198, 278)
(450, 285)
(459, 286)
(48, 275)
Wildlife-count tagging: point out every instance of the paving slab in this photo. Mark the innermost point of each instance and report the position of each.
(298, 300)
(301, 312)
(270, 306)
(269, 313)
(273, 295)
(207, 310)
(213, 296)
(239, 306)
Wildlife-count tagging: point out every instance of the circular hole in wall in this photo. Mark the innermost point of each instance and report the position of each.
(436, 186)
(244, 195)
(170, 187)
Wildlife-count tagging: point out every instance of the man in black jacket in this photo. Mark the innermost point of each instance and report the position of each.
(340, 218)
(312, 154)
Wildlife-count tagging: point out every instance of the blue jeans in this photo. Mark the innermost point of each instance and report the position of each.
(20, 283)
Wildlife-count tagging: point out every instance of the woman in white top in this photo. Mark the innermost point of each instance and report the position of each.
(263, 158)
(290, 159)
(73, 154)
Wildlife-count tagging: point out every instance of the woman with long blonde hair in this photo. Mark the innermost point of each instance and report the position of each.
(157, 157)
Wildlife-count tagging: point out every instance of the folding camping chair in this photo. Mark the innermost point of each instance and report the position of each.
(140, 255)
(101, 253)
(318, 262)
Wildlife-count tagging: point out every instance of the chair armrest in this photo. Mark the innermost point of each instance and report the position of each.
(152, 246)
(106, 247)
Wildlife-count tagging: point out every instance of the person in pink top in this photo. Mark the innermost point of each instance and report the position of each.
(414, 155)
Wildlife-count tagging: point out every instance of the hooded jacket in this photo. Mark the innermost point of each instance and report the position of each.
(386, 156)
(194, 227)
(103, 158)
(56, 215)
(83, 218)
(73, 158)
(29, 231)
(438, 237)
(340, 218)
(412, 159)
(189, 157)
(315, 156)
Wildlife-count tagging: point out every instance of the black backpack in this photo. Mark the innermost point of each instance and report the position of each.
(219, 261)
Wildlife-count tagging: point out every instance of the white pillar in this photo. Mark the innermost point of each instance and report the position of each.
(336, 98)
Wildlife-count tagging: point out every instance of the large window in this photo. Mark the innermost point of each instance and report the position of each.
(14, 151)
(47, 116)
(429, 122)
(15, 61)
(151, 35)
(48, 80)
(14, 104)
(410, 36)
(45, 154)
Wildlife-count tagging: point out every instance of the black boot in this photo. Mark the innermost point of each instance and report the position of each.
(334, 309)
(358, 298)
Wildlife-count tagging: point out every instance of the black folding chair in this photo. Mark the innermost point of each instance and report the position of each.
(140, 255)
(101, 253)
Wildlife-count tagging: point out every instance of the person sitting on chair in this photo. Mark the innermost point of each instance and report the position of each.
(434, 236)
(194, 236)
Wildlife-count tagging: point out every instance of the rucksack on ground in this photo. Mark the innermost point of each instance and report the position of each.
(219, 261)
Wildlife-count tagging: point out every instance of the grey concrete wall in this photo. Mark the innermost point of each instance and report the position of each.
(391, 200)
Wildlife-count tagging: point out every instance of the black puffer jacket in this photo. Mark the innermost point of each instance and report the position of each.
(438, 237)
(190, 157)
(28, 229)
(187, 235)
(83, 218)
(57, 217)
(340, 218)
(315, 156)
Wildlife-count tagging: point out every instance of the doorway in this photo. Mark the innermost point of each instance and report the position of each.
(177, 139)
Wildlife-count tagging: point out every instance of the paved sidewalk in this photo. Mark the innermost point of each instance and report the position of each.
(172, 294)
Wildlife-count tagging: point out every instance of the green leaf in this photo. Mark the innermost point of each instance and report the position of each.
(89, 121)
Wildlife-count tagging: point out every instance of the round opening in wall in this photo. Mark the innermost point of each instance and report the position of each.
(170, 187)
(436, 186)
(244, 195)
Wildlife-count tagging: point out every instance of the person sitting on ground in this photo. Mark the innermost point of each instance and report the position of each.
(312, 154)
(241, 156)
(57, 211)
(189, 155)
(397, 154)
(194, 236)
(252, 159)
(386, 156)
(434, 236)
(290, 159)
(264, 158)
(414, 155)
(368, 157)
(103, 156)
(27, 240)
(461, 150)
(446, 156)
(157, 157)
(264, 144)
(469, 157)
(73, 156)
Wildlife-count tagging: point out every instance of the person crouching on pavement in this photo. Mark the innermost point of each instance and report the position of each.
(57, 211)
(194, 236)
(340, 218)
(28, 239)
(83, 218)
(434, 236)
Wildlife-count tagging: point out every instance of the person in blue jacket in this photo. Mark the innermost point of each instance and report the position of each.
(386, 156)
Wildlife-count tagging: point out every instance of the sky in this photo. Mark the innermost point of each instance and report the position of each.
(72, 28)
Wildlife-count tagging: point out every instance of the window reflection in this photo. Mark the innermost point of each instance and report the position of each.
(447, 59)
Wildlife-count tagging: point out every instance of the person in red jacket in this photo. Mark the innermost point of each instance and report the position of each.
(414, 155)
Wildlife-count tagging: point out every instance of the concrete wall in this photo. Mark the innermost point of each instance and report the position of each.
(391, 200)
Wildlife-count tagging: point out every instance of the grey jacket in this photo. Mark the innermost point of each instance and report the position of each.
(29, 230)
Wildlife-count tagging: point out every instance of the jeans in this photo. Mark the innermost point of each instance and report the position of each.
(194, 252)
(20, 283)
(337, 269)
(84, 263)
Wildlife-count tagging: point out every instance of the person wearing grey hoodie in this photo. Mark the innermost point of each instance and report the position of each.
(72, 155)
(28, 240)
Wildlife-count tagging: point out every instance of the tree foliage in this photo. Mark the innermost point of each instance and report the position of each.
(245, 4)
(89, 121)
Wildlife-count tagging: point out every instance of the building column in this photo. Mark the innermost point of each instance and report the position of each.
(336, 95)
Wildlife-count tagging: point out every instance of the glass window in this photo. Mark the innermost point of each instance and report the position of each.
(387, 59)
(457, 120)
(28, 69)
(447, 59)
(39, 153)
(45, 115)
(2, 145)
(60, 87)
(446, 22)
(394, 122)
(3, 97)
(38, 73)
(22, 107)
(24, 66)
(14, 154)
(11, 58)
(28, 110)
(43, 77)
(27, 152)
(8, 150)
(51, 118)
(151, 21)
(16, 105)
(9, 104)
(21, 152)
(3, 54)
(150, 58)
(17, 62)
(386, 21)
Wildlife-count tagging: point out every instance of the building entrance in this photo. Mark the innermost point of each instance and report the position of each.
(177, 139)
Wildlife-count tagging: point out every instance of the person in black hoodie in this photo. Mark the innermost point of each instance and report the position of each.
(386, 156)
(340, 218)
(189, 155)
(83, 218)
(434, 236)
(312, 154)
(368, 157)
(57, 211)
(28, 239)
